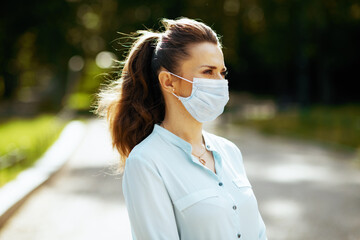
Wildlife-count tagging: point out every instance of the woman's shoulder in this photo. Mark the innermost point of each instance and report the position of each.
(146, 147)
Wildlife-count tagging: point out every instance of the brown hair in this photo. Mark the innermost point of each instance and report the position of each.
(134, 103)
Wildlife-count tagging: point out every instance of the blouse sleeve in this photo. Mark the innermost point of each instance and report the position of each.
(148, 203)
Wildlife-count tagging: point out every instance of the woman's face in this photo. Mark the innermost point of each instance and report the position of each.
(206, 61)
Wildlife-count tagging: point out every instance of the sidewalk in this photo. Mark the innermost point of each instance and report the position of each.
(82, 201)
(14, 193)
(304, 191)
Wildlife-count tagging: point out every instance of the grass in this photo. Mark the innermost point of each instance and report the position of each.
(338, 126)
(23, 141)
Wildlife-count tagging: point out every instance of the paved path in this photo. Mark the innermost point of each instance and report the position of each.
(304, 192)
(81, 202)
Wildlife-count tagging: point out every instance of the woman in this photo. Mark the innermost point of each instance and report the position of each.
(179, 181)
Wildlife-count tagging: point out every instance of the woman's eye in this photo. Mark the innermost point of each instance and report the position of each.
(225, 73)
(210, 72)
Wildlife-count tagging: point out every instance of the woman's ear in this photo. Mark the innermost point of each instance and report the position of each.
(166, 81)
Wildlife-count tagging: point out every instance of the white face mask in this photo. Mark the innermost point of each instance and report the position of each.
(208, 98)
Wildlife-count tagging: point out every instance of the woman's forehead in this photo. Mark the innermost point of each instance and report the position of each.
(204, 55)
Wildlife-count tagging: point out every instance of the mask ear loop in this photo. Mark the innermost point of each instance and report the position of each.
(181, 78)
(175, 94)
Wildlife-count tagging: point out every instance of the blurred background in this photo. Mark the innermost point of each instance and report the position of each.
(293, 67)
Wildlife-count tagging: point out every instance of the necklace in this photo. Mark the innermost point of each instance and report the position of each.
(203, 162)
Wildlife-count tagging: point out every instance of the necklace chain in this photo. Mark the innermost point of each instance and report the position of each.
(203, 162)
(201, 154)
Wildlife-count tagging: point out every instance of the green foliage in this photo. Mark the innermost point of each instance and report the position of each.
(303, 51)
(23, 141)
(79, 101)
(82, 96)
(334, 125)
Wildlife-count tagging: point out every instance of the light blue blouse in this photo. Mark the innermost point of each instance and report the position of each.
(170, 195)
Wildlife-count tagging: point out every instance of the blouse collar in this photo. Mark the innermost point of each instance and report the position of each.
(187, 147)
(178, 141)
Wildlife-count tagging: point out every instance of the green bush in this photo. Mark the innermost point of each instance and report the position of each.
(334, 125)
(23, 141)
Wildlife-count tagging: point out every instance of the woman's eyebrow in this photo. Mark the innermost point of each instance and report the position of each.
(212, 67)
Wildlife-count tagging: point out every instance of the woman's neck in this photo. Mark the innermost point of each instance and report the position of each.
(188, 129)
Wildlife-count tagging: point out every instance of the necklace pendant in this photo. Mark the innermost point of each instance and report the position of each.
(202, 161)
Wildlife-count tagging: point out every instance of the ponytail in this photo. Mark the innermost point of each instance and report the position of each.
(134, 103)
(139, 103)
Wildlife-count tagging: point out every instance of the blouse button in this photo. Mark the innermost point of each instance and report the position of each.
(234, 207)
(239, 235)
(220, 183)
